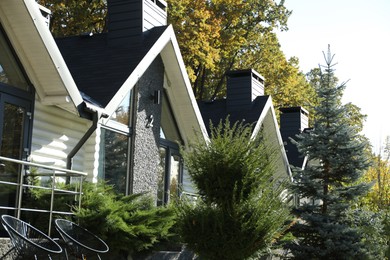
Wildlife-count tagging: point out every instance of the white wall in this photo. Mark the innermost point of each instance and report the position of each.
(153, 15)
(55, 133)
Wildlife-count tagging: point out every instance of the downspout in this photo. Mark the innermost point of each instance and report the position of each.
(96, 115)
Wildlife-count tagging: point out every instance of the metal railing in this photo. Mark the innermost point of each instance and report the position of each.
(53, 175)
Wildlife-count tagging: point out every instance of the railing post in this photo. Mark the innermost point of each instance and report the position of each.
(20, 192)
(80, 190)
(52, 201)
(20, 185)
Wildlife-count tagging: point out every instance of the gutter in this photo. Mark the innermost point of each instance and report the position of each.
(95, 115)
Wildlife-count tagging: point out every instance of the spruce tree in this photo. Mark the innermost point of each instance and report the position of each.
(327, 185)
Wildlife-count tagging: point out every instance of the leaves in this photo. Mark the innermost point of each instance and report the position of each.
(378, 198)
(74, 17)
(214, 36)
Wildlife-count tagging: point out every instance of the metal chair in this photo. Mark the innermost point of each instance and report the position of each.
(28, 241)
(79, 242)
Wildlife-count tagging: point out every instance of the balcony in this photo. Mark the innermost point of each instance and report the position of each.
(56, 186)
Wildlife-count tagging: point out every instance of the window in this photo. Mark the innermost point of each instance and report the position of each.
(122, 113)
(114, 159)
(10, 72)
(16, 105)
(115, 147)
(170, 172)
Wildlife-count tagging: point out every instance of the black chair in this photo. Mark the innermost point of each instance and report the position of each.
(28, 241)
(79, 242)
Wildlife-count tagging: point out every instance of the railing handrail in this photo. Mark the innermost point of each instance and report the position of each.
(47, 167)
(55, 172)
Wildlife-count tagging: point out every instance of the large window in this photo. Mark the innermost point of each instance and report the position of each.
(169, 172)
(10, 72)
(115, 147)
(16, 106)
(114, 159)
(122, 114)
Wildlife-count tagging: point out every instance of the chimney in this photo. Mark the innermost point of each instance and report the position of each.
(128, 19)
(293, 121)
(243, 86)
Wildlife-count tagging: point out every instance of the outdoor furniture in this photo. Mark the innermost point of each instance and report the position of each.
(79, 242)
(28, 241)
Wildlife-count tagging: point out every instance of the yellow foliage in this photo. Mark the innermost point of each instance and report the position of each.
(214, 35)
(378, 197)
(73, 17)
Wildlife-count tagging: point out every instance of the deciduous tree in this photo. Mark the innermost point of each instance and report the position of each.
(214, 37)
(284, 81)
(378, 198)
(74, 17)
(226, 30)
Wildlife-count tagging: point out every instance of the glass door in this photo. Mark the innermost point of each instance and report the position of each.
(169, 178)
(15, 117)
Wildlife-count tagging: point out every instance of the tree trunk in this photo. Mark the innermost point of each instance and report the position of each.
(221, 80)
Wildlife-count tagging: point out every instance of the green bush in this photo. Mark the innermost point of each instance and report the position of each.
(240, 210)
(39, 199)
(128, 224)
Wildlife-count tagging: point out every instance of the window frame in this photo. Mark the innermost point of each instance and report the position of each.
(18, 96)
(128, 153)
(10, 89)
(126, 130)
(171, 149)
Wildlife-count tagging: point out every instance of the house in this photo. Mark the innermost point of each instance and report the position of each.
(115, 105)
(135, 73)
(294, 121)
(245, 102)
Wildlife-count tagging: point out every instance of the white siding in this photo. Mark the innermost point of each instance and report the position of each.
(153, 15)
(55, 133)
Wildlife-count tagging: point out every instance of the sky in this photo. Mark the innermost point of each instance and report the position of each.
(358, 32)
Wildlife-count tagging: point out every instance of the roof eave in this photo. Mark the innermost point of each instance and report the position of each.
(268, 120)
(34, 44)
(180, 95)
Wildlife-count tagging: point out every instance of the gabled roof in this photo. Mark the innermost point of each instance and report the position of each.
(261, 114)
(30, 37)
(107, 74)
(216, 110)
(100, 69)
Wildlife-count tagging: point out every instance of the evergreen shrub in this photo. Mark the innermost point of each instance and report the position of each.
(240, 209)
(129, 224)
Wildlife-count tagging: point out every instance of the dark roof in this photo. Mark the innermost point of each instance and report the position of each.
(100, 69)
(216, 110)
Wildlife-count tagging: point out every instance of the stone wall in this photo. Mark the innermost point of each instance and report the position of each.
(146, 156)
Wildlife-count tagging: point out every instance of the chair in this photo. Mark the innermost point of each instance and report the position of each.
(28, 241)
(79, 242)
